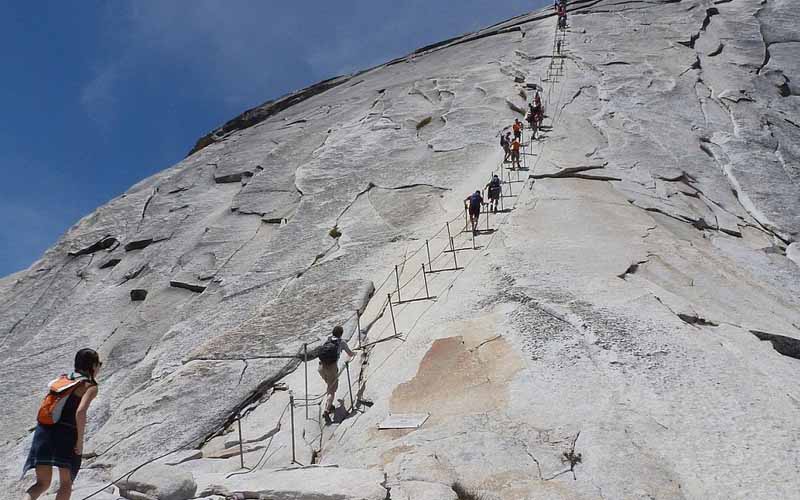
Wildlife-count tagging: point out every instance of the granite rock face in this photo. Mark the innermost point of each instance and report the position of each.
(597, 343)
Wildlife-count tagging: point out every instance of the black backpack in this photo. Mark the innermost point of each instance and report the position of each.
(329, 352)
(495, 183)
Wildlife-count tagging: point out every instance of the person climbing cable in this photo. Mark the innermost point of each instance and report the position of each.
(504, 143)
(515, 144)
(517, 128)
(61, 424)
(493, 188)
(531, 119)
(529, 116)
(562, 16)
(329, 368)
(475, 201)
(507, 158)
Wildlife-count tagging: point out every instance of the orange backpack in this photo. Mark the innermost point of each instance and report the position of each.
(59, 391)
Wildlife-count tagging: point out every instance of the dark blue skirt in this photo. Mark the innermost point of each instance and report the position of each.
(54, 445)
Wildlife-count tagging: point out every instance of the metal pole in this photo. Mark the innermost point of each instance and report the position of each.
(291, 407)
(487, 218)
(453, 249)
(510, 193)
(428, 248)
(241, 446)
(473, 240)
(448, 233)
(350, 385)
(358, 325)
(391, 311)
(425, 277)
(319, 419)
(305, 368)
(466, 219)
(397, 277)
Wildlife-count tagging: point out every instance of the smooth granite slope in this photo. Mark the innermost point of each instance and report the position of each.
(610, 314)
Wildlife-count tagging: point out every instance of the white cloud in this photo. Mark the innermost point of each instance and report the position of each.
(98, 97)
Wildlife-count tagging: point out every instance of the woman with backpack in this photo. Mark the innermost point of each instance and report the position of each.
(58, 439)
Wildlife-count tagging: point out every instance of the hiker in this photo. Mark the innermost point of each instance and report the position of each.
(493, 188)
(61, 422)
(515, 154)
(504, 143)
(475, 203)
(531, 117)
(536, 112)
(508, 148)
(517, 128)
(562, 17)
(329, 368)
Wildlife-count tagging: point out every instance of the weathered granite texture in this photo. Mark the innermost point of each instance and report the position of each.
(609, 314)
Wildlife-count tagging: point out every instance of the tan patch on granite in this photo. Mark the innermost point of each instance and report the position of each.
(392, 453)
(461, 375)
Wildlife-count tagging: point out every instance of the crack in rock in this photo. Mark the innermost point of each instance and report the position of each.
(103, 244)
(787, 346)
(109, 263)
(140, 244)
(133, 274)
(147, 203)
(632, 269)
(695, 320)
(192, 287)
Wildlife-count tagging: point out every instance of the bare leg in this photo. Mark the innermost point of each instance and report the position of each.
(64, 484)
(44, 474)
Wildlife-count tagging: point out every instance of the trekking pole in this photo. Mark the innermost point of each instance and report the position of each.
(428, 248)
(425, 277)
(397, 277)
(291, 407)
(350, 385)
(241, 446)
(305, 368)
(391, 312)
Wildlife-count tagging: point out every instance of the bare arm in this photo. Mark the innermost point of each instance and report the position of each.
(346, 349)
(80, 416)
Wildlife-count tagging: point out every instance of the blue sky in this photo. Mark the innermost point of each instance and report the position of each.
(96, 96)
